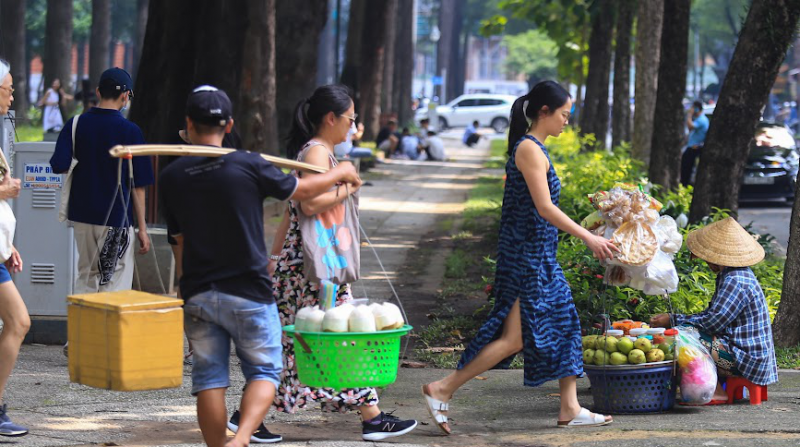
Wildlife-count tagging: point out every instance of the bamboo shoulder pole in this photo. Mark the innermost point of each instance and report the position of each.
(181, 150)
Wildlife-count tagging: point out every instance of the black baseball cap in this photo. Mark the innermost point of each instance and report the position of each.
(209, 105)
(117, 79)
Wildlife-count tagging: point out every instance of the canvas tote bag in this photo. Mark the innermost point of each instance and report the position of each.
(66, 186)
(331, 239)
(8, 223)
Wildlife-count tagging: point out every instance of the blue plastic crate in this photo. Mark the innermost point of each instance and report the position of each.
(632, 389)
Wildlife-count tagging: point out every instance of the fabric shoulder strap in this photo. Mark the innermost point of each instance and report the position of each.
(74, 129)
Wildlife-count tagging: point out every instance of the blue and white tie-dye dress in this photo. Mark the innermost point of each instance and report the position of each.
(527, 270)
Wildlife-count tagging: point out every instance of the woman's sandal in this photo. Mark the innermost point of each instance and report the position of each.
(585, 418)
(435, 407)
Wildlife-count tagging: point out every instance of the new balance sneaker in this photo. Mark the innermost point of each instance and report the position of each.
(8, 428)
(261, 435)
(385, 426)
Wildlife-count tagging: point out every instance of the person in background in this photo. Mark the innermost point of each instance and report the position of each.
(471, 135)
(100, 205)
(735, 328)
(13, 312)
(533, 312)
(409, 145)
(435, 150)
(697, 122)
(52, 121)
(388, 139)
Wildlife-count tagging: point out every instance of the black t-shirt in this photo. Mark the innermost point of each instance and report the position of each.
(216, 204)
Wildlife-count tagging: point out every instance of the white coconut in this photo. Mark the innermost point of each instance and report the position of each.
(314, 320)
(362, 320)
(397, 315)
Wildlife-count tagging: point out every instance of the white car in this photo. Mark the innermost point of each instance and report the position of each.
(486, 109)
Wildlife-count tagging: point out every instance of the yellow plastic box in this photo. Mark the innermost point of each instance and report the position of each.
(125, 341)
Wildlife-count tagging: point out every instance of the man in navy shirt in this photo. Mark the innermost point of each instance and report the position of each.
(214, 212)
(100, 199)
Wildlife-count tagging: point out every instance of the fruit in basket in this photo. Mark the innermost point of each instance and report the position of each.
(588, 356)
(618, 358)
(636, 356)
(588, 341)
(361, 320)
(600, 357)
(669, 356)
(625, 345)
(611, 344)
(665, 347)
(643, 344)
(337, 319)
(655, 355)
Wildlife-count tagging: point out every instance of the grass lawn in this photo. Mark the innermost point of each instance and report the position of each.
(28, 132)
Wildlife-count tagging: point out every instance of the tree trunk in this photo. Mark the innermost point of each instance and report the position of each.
(12, 27)
(404, 60)
(786, 327)
(455, 66)
(762, 46)
(621, 112)
(389, 66)
(259, 126)
(669, 128)
(447, 12)
(352, 57)
(298, 25)
(595, 107)
(100, 40)
(58, 44)
(142, 7)
(650, 18)
(373, 46)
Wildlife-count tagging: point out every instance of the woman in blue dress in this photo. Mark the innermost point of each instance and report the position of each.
(533, 312)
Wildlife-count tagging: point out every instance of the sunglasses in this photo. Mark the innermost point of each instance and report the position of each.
(351, 118)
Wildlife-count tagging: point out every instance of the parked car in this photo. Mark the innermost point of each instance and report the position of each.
(771, 169)
(486, 109)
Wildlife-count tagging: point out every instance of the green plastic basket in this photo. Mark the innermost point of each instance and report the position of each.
(347, 360)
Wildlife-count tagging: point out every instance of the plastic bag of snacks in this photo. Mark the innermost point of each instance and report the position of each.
(697, 369)
(647, 240)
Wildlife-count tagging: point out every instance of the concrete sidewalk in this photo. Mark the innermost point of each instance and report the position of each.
(405, 202)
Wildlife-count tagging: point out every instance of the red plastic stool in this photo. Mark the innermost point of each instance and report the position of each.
(735, 387)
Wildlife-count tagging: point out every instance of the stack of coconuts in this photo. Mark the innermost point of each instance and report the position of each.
(349, 318)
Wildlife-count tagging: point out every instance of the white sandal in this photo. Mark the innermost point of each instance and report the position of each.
(585, 418)
(435, 407)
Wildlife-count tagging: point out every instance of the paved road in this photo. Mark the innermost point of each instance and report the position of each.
(769, 217)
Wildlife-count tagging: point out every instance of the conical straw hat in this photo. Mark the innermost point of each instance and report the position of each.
(725, 243)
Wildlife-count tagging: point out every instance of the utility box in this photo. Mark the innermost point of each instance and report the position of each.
(46, 245)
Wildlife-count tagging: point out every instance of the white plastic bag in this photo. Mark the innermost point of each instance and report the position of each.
(661, 276)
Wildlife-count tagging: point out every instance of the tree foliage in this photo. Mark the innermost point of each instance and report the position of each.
(531, 53)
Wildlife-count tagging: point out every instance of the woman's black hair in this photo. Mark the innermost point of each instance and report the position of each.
(309, 112)
(545, 93)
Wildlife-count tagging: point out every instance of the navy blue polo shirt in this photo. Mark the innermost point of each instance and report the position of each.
(94, 180)
(217, 205)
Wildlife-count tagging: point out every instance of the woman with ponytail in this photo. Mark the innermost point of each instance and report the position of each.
(533, 313)
(320, 122)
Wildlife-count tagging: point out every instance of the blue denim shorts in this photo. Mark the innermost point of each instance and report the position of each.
(212, 319)
(4, 275)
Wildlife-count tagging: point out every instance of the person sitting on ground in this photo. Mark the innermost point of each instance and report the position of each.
(435, 149)
(409, 145)
(388, 138)
(735, 328)
(422, 134)
(471, 135)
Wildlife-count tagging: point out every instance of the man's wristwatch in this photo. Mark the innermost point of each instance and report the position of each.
(274, 257)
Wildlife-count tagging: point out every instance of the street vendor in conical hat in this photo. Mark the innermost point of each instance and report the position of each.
(735, 328)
